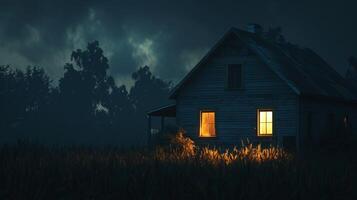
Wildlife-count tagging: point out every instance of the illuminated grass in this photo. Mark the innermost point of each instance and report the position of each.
(183, 148)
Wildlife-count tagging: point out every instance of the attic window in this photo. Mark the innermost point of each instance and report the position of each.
(265, 123)
(234, 76)
(207, 124)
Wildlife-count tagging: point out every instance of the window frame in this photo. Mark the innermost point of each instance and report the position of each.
(200, 123)
(241, 77)
(258, 122)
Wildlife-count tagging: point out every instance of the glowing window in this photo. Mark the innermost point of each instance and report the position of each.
(265, 123)
(207, 124)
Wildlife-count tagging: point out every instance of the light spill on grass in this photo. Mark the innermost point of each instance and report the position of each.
(183, 148)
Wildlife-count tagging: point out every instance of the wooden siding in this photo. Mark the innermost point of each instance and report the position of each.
(321, 125)
(236, 110)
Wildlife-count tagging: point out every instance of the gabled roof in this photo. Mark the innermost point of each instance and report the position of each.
(302, 70)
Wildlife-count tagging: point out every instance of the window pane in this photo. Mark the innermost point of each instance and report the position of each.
(207, 126)
(269, 116)
(204, 130)
(212, 118)
(269, 128)
(204, 118)
(211, 131)
(262, 128)
(212, 124)
(230, 77)
(262, 117)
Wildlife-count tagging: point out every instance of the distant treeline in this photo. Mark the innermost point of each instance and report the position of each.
(86, 107)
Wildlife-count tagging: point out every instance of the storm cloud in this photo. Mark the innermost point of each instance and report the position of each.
(168, 36)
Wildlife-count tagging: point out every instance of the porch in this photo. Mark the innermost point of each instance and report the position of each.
(164, 113)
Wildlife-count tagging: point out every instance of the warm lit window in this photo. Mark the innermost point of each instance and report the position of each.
(265, 123)
(207, 124)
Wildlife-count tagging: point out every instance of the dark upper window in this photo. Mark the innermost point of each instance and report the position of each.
(234, 76)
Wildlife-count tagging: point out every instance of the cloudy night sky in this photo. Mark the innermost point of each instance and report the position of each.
(168, 36)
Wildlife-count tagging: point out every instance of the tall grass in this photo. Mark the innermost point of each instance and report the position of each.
(183, 148)
(181, 171)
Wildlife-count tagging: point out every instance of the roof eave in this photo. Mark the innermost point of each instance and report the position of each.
(173, 93)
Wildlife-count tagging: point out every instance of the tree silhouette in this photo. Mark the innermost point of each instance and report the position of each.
(12, 104)
(120, 115)
(84, 89)
(119, 104)
(86, 80)
(37, 100)
(147, 93)
(24, 101)
(86, 107)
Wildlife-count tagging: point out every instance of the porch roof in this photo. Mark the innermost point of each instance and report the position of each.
(164, 111)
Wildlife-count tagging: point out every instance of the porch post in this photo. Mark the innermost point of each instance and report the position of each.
(149, 130)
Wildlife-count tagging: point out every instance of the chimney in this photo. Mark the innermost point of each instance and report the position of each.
(255, 28)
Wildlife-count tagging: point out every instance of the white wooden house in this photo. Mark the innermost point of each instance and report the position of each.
(247, 87)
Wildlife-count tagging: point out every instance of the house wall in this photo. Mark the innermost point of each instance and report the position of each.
(322, 121)
(236, 110)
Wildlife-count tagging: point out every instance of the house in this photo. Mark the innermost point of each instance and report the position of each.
(247, 87)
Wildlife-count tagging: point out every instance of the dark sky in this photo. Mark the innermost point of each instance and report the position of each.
(168, 36)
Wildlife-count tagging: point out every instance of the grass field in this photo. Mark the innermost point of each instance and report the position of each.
(181, 171)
